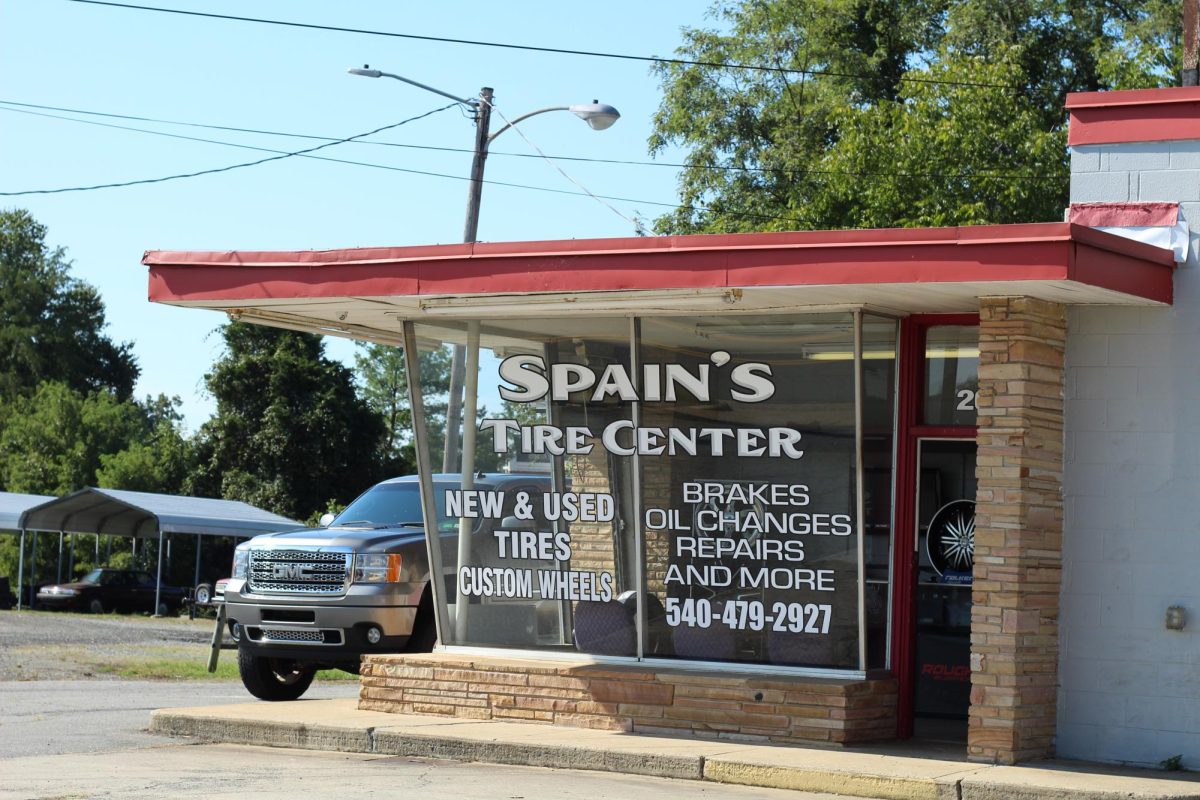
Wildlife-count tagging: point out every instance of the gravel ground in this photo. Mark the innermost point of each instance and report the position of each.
(48, 645)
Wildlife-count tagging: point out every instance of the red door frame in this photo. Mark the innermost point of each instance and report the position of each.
(904, 562)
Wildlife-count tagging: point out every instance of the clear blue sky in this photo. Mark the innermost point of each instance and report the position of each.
(139, 63)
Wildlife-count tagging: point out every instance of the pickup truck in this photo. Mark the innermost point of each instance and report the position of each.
(310, 599)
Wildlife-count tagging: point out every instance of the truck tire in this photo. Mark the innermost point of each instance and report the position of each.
(424, 632)
(273, 678)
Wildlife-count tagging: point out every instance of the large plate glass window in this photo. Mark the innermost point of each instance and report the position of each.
(536, 553)
(751, 533)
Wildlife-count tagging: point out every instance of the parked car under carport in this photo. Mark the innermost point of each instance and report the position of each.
(106, 589)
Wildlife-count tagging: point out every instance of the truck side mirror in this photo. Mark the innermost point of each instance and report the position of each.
(326, 518)
(514, 524)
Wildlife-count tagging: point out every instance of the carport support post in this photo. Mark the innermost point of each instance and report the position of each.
(21, 572)
(71, 562)
(33, 569)
(158, 577)
(196, 577)
(60, 545)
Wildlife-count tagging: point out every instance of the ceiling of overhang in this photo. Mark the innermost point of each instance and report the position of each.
(380, 318)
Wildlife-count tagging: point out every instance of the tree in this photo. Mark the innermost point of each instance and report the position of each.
(904, 112)
(53, 441)
(383, 380)
(159, 460)
(51, 324)
(290, 433)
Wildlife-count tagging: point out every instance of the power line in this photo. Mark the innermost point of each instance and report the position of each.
(228, 168)
(307, 154)
(624, 162)
(538, 49)
(301, 154)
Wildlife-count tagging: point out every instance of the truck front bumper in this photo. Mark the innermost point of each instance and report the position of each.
(333, 634)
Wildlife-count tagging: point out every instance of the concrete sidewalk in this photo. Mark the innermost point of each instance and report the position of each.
(898, 773)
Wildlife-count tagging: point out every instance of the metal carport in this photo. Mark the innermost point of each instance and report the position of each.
(12, 506)
(145, 515)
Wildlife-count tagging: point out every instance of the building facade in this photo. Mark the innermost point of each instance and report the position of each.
(837, 486)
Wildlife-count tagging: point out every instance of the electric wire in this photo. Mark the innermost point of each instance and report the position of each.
(280, 155)
(307, 154)
(561, 171)
(583, 159)
(539, 49)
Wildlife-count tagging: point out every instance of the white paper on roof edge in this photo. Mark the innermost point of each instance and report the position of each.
(1171, 237)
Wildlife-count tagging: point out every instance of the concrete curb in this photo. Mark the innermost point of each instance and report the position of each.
(263, 732)
(804, 780)
(840, 772)
(538, 755)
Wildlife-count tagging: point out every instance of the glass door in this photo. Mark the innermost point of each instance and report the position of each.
(945, 550)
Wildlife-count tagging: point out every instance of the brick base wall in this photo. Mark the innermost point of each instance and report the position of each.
(634, 698)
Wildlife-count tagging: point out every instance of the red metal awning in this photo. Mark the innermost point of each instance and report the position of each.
(366, 292)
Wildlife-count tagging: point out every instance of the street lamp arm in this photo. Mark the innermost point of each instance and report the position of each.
(374, 73)
(525, 117)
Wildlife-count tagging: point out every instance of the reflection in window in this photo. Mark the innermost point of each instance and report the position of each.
(951, 374)
(719, 455)
(759, 560)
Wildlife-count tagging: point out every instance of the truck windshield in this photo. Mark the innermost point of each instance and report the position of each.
(391, 504)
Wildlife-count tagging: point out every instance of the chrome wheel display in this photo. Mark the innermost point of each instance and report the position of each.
(950, 540)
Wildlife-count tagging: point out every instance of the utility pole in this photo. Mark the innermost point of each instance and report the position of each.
(1191, 18)
(458, 364)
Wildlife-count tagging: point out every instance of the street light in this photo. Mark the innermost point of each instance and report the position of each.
(599, 116)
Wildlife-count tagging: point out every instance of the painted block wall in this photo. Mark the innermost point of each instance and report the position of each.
(1130, 688)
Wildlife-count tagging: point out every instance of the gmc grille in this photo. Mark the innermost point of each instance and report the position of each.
(299, 572)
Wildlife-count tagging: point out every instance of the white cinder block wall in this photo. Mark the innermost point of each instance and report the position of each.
(1131, 545)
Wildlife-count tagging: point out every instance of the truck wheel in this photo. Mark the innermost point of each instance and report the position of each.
(273, 678)
(96, 606)
(424, 632)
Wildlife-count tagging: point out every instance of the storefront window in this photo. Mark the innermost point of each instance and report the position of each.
(682, 487)
(548, 562)
(752, 550)
(951, 374)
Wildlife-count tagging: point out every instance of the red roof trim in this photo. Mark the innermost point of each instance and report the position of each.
(1042, 251)
(1124, 215)
(1137, 115)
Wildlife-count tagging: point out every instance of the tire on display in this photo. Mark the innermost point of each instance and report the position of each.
(96, 606)
(273, 678)
(203, 594)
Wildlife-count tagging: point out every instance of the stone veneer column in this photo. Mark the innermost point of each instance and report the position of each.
(1018, 530)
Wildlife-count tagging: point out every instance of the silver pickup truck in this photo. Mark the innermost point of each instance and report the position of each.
(304, 600)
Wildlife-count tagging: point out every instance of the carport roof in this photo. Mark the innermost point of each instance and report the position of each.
(12, 506)
(117, 512)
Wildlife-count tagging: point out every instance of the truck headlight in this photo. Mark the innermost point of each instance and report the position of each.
(377, 567)
(241, 561)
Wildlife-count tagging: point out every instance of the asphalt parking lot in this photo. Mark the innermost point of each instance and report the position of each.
(68, 730)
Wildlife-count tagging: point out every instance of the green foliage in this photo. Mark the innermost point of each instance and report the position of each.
(53, 441)
(877, 134)
(52, 325)
(383, 381)
(158, 460)
(290, 433)
(1172, 763)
